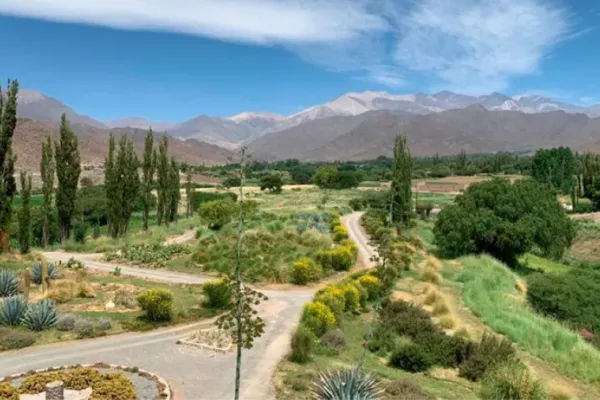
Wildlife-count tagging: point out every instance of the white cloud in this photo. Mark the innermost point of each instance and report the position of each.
(472, 46)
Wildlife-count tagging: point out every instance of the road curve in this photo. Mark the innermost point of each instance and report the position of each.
(192, 373)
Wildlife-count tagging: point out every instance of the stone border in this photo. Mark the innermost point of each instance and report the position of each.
(164, 391)
(206, 346)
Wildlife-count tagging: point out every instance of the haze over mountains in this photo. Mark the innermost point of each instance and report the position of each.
(362, 125)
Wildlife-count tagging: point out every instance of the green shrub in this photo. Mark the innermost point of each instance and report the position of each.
(302, 343)
(383, 340)
(411, 358)
(356, 204)
(445, 350)
(334, 339)
(80, 378)
(157, 303)
(198, 198)
(104, 324)
(490, 352)
(573, 298)
(372, 284)
(113, 386)
(65, 322)
(406, 319)
(351, 296)
(511, 381)
(9, 284)
(306, 270)
(80, 232)
(12, 310)
(317, 317)
(340, 233)
(218, 294)
(12, 339)
(36, 383)
(218, 213)
(83, 328)
(40, 316)
(8, 392)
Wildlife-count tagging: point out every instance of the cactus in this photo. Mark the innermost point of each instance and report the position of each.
(36, 273)
(40, 316)
(12, 310)
(26, 283)
(348, 384)
(9, 285)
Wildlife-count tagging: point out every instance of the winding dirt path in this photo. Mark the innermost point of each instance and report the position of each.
(192, 373)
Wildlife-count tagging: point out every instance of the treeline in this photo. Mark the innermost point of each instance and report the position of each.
(67, 210)
(380, 169)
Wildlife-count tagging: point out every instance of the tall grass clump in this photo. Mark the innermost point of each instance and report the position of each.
(489, 291)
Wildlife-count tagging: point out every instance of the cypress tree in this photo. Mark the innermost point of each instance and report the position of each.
(47, 173)
(128, 182)
(25, 213)
(189, 194)
(8, 186)
(163, 180)
(112, 203)
(174, 191)
(401, 190)
(68, 169)
(148, 167)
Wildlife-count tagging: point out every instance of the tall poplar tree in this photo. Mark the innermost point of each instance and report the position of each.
(128, 182)
(110, 185)
(47, 172)
(148, 167)
(401, 190)
(189, 194)
(174, 191)
(164, 181)
(25, 213)
(8, 186)
(68, 169)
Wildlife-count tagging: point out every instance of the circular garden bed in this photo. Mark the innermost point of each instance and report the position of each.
(96, 382)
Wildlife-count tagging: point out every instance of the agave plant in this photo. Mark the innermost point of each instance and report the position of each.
(40, 316)
(9, 285)
(348, 384)
(12, 310)
(36, 273)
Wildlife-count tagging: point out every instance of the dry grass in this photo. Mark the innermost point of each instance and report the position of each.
(447, 322)
(432, 276)
(440, 307)
(63, 290)
(463, 332)
(432, 297)
(433, 263)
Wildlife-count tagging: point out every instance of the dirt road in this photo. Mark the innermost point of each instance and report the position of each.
(192, 373)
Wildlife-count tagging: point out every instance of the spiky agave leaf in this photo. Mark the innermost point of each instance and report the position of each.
(9, 284)
(36, 273)
(12, 310)
(348, 384)
(40, 316)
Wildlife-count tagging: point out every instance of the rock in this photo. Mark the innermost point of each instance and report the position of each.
(110, 305)
(55, 391)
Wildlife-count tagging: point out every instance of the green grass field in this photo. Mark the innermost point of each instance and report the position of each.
(36, 200)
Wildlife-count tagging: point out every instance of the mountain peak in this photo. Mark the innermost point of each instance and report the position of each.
(27, 96)
(244, 116)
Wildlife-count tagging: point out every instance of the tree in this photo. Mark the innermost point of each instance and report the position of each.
(232, 181)
(189, 194)
(25, 213)
(163, 180)
(174, 194)
(401, 190)
(8, 186)
(217, 213)
(325, 176)
(461, 163)
(329, 177)
(47, 173)
(505, 221)
(590, 179)
(556, 167)
(122, 184)
(68, 169)
(148, 167)
(242, 320)
(272, 183)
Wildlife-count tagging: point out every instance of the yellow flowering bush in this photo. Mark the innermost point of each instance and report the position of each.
(339, 233)
(306, 270)
(318, 318)
(372, 285)
(351, 297)
(332, 297)
(157, 303)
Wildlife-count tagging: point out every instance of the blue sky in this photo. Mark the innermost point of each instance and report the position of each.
(175, 59)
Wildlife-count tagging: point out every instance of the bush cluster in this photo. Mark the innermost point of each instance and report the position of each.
(411, 358)
(318, 318)
(306, 270)
(340, 233)
(154, 255)
(8, 392)
(157, 303)
(340, 258)
(302, 343)
(372, 285)
(218, 294)
(12, 339)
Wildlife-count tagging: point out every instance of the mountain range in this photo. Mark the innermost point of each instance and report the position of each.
(353, 126)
